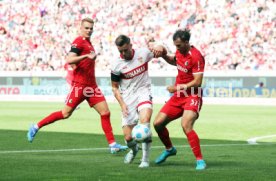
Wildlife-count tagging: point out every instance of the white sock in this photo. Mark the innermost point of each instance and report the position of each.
(146, 146)
(146, 151)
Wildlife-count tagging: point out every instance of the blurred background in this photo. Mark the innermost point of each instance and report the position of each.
(237, 39)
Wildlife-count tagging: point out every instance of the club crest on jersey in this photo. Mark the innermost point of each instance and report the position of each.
(140, 59)
(186, 63)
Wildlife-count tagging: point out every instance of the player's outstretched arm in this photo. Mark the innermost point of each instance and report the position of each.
(170, 59)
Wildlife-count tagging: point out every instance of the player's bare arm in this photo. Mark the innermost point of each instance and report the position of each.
(170, 59)
(194, 83)
(117, 94)
(73, 58)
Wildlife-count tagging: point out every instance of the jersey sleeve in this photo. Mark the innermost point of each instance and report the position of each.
(198, 64)
(149, 54)
(115, 72)
(76, 46)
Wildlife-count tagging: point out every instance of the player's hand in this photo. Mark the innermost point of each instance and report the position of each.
(158, 51)
(73, 66)
(171, 88)
(92, 56)
(124, 110)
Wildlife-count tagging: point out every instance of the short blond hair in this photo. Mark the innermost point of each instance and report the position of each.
(89, 20)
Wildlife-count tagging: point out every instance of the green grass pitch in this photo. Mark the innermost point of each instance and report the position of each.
(75, 149)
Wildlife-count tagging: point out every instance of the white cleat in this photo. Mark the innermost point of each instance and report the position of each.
(131, 155)
(144, 164)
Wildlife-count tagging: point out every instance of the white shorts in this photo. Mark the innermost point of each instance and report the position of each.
(135, 103)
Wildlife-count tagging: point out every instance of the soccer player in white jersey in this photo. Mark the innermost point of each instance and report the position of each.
(131, 87)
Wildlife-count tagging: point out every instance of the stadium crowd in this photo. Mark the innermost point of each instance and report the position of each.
(233, 35)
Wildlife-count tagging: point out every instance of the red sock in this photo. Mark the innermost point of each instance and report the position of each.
(165, 137)
(50, 119)
(107, 128)
(194, 144)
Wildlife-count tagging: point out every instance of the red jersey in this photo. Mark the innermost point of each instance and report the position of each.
(84, 73)
(187, 65)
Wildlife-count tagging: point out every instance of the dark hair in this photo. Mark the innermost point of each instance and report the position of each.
(121, 40)
(184, 35)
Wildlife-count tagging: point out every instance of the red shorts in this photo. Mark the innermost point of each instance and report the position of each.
(80, 92)
(175, 107)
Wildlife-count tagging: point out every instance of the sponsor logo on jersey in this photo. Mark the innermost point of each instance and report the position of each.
(135, 72)
(179, 67)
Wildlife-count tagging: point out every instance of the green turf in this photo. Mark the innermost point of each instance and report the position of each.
(75, 149)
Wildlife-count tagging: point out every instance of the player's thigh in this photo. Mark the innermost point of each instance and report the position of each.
(144, 105)
(132, 116)
(188, 119)
(143, 98)
(97, 100)
(145, 115)
(101, 107)
(192, 107)
(173, 109)
(75, 96)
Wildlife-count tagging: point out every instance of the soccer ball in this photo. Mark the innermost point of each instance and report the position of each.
(140, 133)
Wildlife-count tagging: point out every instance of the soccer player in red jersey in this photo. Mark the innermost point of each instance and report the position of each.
(186, 101)
(84, 87)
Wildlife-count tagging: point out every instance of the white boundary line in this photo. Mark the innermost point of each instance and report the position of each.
(253, 141)
(96, 149)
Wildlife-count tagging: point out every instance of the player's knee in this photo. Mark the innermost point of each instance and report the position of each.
(157, 125)
(186, 126)
(105, 114)
(66, 114)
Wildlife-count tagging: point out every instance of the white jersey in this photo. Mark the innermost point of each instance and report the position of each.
(133, 73)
